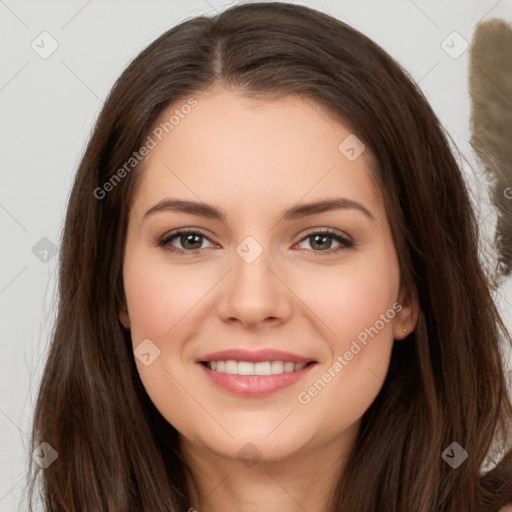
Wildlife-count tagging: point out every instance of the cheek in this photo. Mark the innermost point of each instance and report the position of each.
(360, 312)
(351, 299)
(358, 304)
(161, 302)
(159, 299)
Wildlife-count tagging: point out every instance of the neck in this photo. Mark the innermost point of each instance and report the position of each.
(304, 480)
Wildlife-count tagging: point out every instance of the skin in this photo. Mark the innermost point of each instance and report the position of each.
(265, 156)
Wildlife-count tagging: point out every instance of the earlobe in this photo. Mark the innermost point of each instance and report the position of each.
(406, 319)
(124, 318)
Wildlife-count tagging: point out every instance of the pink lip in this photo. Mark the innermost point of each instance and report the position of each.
(254, 356)
(255, 385)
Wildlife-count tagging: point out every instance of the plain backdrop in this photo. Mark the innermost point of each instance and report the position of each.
(49, 104)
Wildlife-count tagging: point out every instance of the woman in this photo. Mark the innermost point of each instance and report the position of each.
(270, 291)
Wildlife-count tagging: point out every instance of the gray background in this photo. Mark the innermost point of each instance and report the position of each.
(48, 107)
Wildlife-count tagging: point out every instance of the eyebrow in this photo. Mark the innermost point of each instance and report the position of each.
(295, 212)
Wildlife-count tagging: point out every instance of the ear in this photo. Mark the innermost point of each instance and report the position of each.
(124, 318)
(407, 317)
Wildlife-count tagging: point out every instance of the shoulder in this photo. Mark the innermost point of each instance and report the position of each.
(508, 508)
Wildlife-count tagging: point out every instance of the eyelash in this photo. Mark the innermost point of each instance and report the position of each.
(346, 243)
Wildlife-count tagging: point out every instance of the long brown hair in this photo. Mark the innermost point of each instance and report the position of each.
(446, 381)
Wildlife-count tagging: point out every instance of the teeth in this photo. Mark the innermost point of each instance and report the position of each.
(262, 368)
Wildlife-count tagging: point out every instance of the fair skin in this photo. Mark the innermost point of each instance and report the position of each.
(254, 159)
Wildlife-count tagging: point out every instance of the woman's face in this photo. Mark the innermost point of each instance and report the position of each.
(256, 278)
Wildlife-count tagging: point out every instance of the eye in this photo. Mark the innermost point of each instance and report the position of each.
(190, 240)
(321, 241)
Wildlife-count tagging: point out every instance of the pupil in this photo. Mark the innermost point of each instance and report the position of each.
(187, 238)
(323, 239)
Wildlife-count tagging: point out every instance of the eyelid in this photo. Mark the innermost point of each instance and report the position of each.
(331, 231)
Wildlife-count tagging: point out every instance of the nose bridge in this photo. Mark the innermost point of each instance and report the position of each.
(253, 292)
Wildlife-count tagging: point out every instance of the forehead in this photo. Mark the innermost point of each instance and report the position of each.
(231, 149)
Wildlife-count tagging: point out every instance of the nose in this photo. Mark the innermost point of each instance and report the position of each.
(255, 292)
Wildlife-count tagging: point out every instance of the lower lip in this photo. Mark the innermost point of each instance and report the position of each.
(255, 385)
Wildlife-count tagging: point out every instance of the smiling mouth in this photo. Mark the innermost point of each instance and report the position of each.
(261, 368)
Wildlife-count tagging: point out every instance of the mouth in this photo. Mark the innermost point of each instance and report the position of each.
(254, 374)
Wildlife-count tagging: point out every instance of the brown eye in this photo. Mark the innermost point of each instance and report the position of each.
(189, 241)
(322, 241)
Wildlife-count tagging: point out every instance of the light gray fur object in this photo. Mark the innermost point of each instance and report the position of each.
(490, 87)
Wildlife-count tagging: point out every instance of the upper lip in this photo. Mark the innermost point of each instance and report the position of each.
(254, 356)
